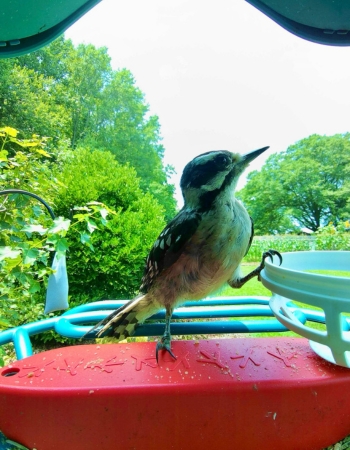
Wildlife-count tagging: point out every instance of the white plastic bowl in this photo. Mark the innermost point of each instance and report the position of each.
(290, 281)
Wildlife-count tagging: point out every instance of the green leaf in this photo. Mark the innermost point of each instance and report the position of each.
(10, 131)
(8, 252)
(4, 323)
(35, 286)
(51, 240)
(28, 143)
(79, 217)
(37, 211)
(60, 224)
(21, 277)
(42, 272)
(104, 213)
(34, 228)
(3, 155)
(42, 152)
(91, 247)
(14, 238)
(91, 225)
(62, 245)
(30, 256)
(84, 238)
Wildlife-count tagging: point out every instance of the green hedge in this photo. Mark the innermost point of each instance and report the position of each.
(330, 237)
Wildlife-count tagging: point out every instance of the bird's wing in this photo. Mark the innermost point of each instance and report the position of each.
(165, 251)
(251, 237)
(169, 245)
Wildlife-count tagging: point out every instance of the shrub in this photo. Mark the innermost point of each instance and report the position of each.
(334, 237)
(114, 267)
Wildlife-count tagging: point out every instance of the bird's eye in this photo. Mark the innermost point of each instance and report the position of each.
(222, 160)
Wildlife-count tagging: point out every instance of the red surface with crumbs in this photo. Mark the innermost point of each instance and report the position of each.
(266, 393)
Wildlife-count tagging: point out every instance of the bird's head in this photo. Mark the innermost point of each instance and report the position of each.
(211, 173)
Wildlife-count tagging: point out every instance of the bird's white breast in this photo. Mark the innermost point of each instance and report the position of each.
(233, 231)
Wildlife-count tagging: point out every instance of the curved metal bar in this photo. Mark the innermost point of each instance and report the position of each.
(30, 194)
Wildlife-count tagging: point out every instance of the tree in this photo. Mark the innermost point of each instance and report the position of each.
(126, 130)
(98, 108)
(260, 197)
(27, 103)
(50, 61)
(308, 185)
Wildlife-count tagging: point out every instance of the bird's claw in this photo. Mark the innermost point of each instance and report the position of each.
(164, 344)
(270, 254)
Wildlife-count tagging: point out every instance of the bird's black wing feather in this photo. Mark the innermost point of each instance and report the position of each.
(168, 247)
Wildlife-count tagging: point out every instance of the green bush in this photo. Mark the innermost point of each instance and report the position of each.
(24, 256)
(334, 237)
(114, 268)
(86, 175)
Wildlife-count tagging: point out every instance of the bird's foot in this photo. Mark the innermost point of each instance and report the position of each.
(269, 254)
(164, 344)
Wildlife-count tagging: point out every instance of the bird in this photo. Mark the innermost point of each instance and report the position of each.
(198, 251)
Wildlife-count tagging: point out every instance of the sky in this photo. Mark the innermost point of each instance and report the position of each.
(222, 75)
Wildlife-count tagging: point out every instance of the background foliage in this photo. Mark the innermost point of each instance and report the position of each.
(73, 95)
(330, 237)
(106, 242)
(115, 267)
(88, 145)
(308, 185)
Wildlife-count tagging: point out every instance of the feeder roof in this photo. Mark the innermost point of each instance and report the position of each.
(27, 25)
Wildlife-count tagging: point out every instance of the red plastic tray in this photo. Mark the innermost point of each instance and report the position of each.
(272, 394)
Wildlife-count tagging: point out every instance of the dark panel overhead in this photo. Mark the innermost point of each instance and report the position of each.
(322, 21)
(26, 25)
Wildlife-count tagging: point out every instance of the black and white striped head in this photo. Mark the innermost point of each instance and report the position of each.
(209, 174)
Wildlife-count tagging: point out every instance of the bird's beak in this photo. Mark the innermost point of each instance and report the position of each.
(249, 157)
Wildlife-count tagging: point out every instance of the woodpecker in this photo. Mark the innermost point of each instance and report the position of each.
(198, 251)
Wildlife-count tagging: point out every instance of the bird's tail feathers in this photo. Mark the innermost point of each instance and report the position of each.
(124, 320)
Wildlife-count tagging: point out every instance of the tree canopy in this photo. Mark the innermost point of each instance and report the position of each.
(308, 185)
(72, 95)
